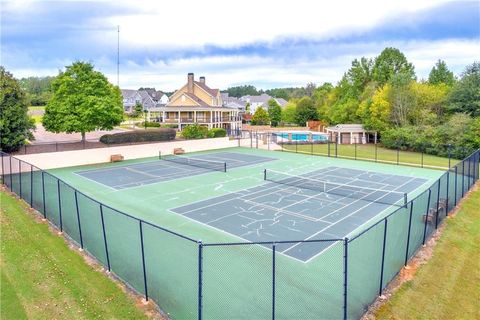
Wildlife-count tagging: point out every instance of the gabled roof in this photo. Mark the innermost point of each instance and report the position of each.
(128, 93)
(282, 102)
(196, 99)
(212, 92)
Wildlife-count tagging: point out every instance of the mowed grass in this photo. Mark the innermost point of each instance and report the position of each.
(448, 286)
(367, 151)
(41, 278)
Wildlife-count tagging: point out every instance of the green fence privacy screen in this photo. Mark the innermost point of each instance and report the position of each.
(189, 279)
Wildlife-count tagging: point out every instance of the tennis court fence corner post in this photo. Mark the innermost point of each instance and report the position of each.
(383, 256)
(43, 196)
(345, 278)
(31, 186)
(273, 280)
(143, 260)
(456, 182)
(200, 279)
(426, 217)
(59, 204)
(408, 233)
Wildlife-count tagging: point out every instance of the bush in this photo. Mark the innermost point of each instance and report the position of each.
(162, 134)
(150, 124)
(169, 125)
(217, 133)
(194, 131)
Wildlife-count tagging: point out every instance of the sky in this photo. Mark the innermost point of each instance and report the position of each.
(264, 43)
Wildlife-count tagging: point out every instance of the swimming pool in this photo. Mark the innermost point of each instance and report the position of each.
(301, 136)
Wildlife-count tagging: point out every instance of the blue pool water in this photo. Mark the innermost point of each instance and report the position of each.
(302, 136)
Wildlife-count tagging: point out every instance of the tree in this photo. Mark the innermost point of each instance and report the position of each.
(247, 107)
(260, 117)
(360, 74)
(83, 100)
(375, 112)
(37, 89)
(15, 125)
(274, 112)
(289, 112)
(278, 93)
(441, 74)
(137, 110)
(389, 63)
(306, 110)
(240, 91)
(310, 88)
(465, 96)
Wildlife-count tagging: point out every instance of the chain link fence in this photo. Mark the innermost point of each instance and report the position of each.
(189, 279)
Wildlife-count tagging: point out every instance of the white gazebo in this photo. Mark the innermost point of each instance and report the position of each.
(350, 134)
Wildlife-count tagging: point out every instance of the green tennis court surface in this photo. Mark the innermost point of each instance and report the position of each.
(237, 279)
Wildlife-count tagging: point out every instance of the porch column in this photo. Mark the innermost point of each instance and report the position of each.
(163, 116)
(363, 138)
(194, 116)
(211, 117)
(178, 119)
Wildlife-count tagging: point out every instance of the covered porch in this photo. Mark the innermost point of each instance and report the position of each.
(351, 134)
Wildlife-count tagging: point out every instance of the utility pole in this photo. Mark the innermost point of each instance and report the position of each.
(118, 56)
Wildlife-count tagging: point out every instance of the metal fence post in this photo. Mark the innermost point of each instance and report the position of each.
(104, 237)
(383, 256)
(251, 140)
(59, 205)
(345, 278)
(449, 155)
(355, 142)
(311, 147)
(336, 148)
(423, 151)
(426, 217)
(376, 152)
(463, 178)
(78, 219)
(438, 203)
(456, 183)
(447, 203)
(200, 279)
(398, 154)
(273, 281)
(11, 174)
(43, 195)
(328, 147)
(20, 177)
(3, 173)
(31, 186)
(143, 261)
(408, 233)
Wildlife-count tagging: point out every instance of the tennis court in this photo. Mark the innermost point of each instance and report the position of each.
(173, 167)
(323, 204)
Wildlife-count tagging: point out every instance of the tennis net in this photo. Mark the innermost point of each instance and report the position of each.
(395, 198)
(196, 162)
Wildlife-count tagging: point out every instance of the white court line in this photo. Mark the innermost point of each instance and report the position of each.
(377, 215)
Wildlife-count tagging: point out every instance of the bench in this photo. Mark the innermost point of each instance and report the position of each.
(116, 158)
(178, 151)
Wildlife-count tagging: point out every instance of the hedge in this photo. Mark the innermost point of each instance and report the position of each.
(161, 134)
(217, 133)
(150, 124)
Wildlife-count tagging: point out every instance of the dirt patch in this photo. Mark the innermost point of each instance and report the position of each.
(421, 257)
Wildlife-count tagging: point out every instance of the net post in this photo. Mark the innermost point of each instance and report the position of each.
(31, 186)
(273, 280)
(43, 195)
(408, 233)
(143, 260)
(264, 174)
(405, 199)
(345, 278)
(159, 154)
(426, 217)
(59, 204)
(383, 256)
(200, 279)
(104, 237)
(456, 183)
(438, 203)
(224, 167)
(78, 219)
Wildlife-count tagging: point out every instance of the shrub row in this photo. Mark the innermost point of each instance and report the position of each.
(161, 134)
(196, 131)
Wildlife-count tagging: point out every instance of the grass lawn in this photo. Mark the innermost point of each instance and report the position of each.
(41, 278)
(37, 118)
(367, 151)
(447, 286)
